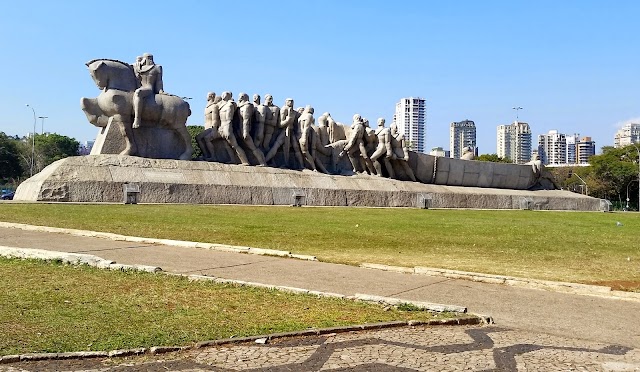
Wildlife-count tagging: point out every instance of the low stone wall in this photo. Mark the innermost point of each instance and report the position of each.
(100, 178)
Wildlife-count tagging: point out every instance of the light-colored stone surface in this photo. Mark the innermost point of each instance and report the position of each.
(99, 178)
(420, 348)
(134, 114)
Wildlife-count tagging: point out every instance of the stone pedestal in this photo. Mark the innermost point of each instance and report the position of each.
(151, 142)
(100, 178)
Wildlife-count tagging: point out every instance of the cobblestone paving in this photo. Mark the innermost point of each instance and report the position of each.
(440, 348)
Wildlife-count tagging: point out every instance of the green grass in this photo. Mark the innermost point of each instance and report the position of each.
(586, 247)
(49, 307)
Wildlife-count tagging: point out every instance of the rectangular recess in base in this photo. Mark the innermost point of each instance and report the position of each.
(423, 201)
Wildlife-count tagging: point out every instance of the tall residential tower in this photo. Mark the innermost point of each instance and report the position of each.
(461, 134)
(514, 142)
(552, 148)
(410, 117)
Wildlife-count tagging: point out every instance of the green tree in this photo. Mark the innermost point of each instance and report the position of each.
(194, 130)
(48, 148)
(52, 147)
(493, 158)
(10, 165)
(614, 170)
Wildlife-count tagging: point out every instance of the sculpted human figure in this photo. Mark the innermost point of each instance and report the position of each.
(246, 113)
(331, 125)
(400, 153)
(271, 122)
(383, 150)
(150, 76)
(304, 123)
(260, 114)
(354, 142)
(211, 125)
(309, 140)
(227, 108)
(288, 118)
(322, 129)
(467, 153)
(137, 65)
(369, 143)
(542, 177)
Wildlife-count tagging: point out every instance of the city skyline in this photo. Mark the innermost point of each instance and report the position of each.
(571, 66)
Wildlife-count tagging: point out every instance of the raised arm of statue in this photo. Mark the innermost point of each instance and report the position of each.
(159, 83)
(387, 143)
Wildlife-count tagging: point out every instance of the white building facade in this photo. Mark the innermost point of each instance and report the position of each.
(552, 148)
(627, 135)
(462, 134)
(514, 142)
(411, 119)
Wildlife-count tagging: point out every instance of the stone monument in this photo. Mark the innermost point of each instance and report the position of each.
(143, 142)
(134, 114)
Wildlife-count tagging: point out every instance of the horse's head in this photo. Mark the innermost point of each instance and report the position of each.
(112, 74)
(96, 69)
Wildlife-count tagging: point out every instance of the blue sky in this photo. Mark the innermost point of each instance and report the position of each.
(573, 65)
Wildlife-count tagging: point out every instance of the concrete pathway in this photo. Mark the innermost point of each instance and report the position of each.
(589, 318)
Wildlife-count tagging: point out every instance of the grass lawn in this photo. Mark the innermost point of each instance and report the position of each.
(585, 247)
(49, 307)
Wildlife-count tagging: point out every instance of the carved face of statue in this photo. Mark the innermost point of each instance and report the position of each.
(226, 96)
(256, 99)
(268, 99)
(211, 96)
(288, 102)
(357, 118)
(381, 122)
(147, 59)
(365, 122)
(394, 128)
(243, 97)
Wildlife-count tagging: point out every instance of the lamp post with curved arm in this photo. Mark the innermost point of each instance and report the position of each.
(33, 140)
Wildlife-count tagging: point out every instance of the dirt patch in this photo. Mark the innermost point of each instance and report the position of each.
(620, 285)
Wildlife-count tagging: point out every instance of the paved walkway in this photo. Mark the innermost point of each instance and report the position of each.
(532, 317)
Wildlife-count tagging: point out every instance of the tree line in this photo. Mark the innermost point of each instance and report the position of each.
(611, 175)
(22, 156)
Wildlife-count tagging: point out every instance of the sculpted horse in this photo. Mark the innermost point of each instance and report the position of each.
(114, 105)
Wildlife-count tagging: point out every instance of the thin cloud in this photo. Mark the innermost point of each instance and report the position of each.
(620, 124)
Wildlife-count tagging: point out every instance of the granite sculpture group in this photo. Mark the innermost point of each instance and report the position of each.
(259, 133)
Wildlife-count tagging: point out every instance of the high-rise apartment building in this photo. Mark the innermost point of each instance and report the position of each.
(461, 134)
(586, 148)
(572, 148)
(627, 135)
(410, 117)
(514, 142)
(552, 148)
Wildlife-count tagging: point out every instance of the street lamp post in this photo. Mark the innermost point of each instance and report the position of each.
(629, 157)
(43, 117)
(586, 188)
(33, 140)
(638, 150)
(517, 111)
(628, 184)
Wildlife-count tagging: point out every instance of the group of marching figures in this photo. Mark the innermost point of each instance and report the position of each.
(269, 134)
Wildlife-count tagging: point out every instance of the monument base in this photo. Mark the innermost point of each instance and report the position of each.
(102, 178)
